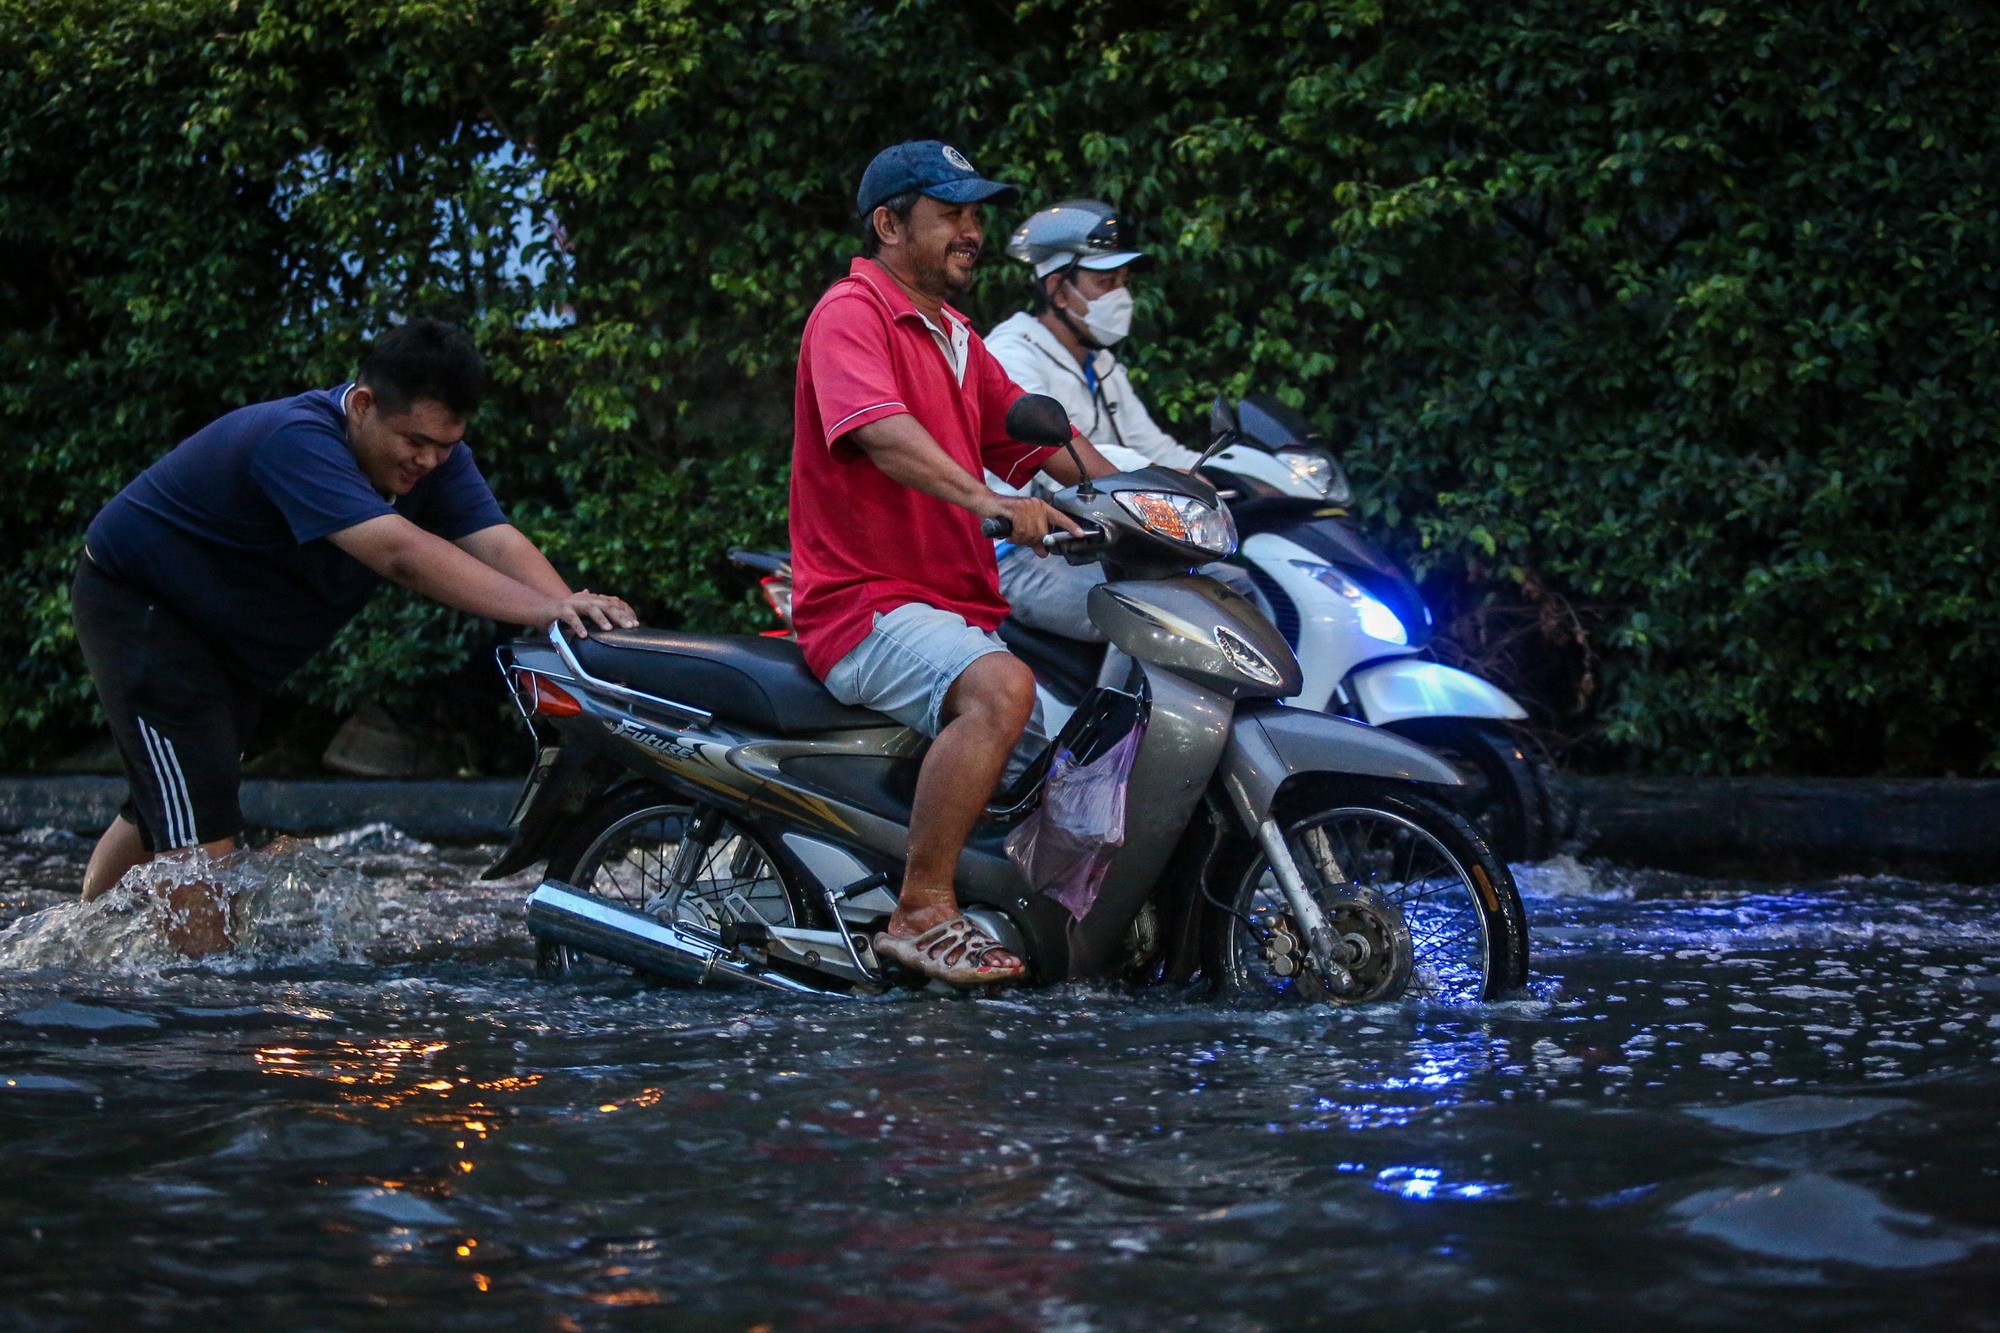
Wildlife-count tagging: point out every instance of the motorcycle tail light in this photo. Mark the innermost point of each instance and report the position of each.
(778, 592)
(544, 696)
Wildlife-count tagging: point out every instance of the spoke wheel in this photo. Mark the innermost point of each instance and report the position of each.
(1416, 862)
(637, 849)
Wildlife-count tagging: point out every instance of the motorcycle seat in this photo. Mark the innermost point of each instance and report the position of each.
(761, 683)
(1068, 667)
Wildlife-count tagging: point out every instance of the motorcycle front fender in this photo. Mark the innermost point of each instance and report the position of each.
(1269, 745)
(1403, 688)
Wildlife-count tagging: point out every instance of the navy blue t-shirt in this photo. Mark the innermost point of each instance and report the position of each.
(229, 529)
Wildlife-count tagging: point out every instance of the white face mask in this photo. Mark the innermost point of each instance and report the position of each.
(1109, 317)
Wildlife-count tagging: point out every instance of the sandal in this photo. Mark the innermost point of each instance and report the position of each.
(953, 951)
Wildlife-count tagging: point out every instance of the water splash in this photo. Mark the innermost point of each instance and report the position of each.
(288, 903)
(373, 837)
(1566, 877)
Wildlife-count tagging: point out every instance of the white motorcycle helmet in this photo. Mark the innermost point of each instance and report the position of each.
(1076, 233)
(1086, 234)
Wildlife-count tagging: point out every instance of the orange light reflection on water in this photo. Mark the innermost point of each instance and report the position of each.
(393, 1074)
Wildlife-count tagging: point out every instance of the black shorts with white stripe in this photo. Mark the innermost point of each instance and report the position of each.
(180, 711)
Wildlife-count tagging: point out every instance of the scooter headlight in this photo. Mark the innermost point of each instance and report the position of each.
(1316, 470)
(1183, 519)
(1377, 620)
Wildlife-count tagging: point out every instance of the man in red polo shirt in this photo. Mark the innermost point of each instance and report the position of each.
(900, 412)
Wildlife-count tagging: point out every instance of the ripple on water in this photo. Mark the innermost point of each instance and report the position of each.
(1815, 1218)
(1800, 1114)
(83, 1017)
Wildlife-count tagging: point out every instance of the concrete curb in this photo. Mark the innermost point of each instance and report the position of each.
(1763, 828)
(461, 811)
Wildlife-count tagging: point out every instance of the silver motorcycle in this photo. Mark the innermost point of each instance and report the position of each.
(710, 814)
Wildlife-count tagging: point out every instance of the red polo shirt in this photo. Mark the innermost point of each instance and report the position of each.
(861, 542)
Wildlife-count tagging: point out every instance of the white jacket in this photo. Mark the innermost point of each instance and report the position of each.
(1113, 418)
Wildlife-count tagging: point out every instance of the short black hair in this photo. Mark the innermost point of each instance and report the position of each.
(425, 358)
(902, 205)
(1038, 295)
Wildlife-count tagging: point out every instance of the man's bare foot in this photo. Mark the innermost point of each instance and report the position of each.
(198, 920)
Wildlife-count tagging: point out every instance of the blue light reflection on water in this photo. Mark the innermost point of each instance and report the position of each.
(1428, 1182)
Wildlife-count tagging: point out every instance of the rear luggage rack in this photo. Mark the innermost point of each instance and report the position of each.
(583, 677)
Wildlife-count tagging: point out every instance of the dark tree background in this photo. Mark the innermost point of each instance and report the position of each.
(1667, 333)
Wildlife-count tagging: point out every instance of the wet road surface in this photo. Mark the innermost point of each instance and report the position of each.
(1725, 1105)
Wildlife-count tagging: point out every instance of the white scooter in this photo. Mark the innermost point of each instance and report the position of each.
(1360, 627)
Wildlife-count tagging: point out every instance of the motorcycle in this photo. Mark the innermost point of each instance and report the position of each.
(1352, 616)
(1360, 626)
(710, 814)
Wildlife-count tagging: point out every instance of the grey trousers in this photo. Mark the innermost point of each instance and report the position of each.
(1051, 594)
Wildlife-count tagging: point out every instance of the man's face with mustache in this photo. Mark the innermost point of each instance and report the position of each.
(941, 246)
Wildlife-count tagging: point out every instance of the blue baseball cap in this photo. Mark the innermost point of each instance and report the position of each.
(928, 167)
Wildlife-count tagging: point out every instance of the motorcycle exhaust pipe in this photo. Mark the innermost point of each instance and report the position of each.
(561, 914)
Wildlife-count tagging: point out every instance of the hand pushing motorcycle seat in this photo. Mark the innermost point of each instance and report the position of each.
(758, 682)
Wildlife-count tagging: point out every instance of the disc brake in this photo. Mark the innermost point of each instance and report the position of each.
(1319, 937)
(1358, 947)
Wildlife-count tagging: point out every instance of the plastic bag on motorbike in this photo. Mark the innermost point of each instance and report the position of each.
(1067, 845)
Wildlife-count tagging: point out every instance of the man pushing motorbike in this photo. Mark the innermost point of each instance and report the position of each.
(224, 566)
(900, 410)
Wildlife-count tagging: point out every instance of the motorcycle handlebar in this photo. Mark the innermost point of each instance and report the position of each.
(999, 527)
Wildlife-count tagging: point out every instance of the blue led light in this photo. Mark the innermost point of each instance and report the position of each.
(1377, 620)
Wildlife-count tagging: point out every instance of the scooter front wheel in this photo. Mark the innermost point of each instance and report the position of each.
(1381, 859)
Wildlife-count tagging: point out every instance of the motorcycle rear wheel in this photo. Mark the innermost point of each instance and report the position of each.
(1468, 930)
(625, 848)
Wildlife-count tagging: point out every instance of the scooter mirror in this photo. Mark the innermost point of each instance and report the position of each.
(1222, 417)
(1036, 418)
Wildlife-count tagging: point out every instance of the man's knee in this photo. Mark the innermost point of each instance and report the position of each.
(998, 689)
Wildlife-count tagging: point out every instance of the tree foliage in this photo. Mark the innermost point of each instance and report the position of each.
(1667, 333)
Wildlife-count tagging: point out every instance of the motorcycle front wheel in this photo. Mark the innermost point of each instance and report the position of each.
(1352, 842)
(660, 854)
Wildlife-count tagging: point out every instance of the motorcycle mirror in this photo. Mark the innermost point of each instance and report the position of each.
(1036, 418)
(1223, 421)
(1222, 418)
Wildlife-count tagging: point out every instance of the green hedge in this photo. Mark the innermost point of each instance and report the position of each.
(1667, 333)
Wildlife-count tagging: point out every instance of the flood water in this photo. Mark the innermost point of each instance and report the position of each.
(1726, 1105)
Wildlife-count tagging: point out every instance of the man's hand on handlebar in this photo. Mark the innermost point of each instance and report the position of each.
(1031, 520)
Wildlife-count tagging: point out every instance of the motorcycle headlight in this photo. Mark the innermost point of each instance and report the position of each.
(1182, 518)
(1316, 469)
(1377, 620)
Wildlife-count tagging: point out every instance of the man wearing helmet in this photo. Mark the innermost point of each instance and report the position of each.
(1083, 258)
(899, 411)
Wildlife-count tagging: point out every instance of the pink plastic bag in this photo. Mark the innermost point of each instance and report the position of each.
(1065, 847)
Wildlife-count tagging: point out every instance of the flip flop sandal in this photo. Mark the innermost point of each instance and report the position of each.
(953, 951)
